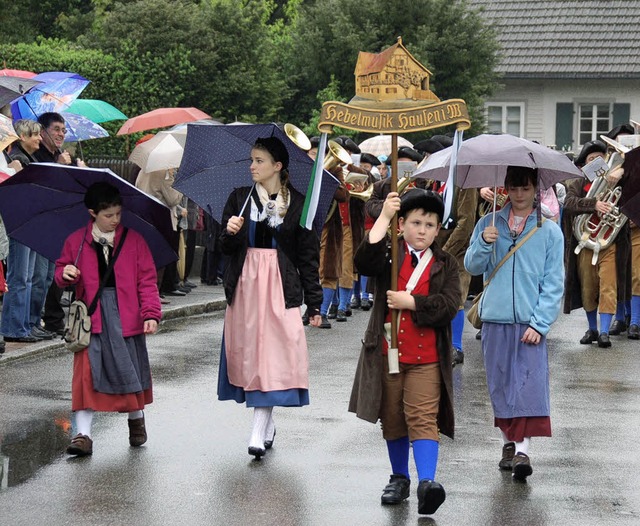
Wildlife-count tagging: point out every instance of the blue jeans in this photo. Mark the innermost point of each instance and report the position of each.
(42, 277)
(17, 300)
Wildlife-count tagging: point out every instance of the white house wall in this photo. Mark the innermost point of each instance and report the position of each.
(540, 98)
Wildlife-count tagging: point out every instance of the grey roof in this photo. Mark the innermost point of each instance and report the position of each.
(570, 39)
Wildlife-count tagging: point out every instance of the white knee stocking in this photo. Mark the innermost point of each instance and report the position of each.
(523, 447)
(134, 415)
(261, 418)
(84, 418)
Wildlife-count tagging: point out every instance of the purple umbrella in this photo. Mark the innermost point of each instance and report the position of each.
(216, 160)
(483, 161)
(56, 93)
(43, 203)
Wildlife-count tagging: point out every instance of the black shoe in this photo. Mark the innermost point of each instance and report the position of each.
(39, 332)
(633, 332)
(55, 330)
(324, 323)
(589, 337)
(332, 312)
(341, 316)
(365, 304)
(175, 292)
(355, 303)
(268, 444)
(603, 340)
(458, 357)
(617, 327)
(22, 339)
(396, 491)
(479, 335)
(1, 347)
(348, 312)
(184, 289)
(430, 496)
(521, 467)
(257, 452)
(189, 284)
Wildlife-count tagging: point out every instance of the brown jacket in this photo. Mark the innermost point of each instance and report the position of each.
(576, 203)
(435, 310)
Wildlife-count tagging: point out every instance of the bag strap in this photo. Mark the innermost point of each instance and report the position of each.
(511, 253)
(107, 274)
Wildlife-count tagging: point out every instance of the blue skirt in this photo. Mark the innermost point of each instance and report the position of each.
(284, 398)
(517, 373)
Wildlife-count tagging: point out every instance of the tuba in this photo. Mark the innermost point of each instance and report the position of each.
(486, 207)
(597, 231)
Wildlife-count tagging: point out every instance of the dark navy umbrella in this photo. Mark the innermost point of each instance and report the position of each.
(216, 160)
(44, 203)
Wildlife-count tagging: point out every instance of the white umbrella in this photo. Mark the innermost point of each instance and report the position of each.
(162, 152)
(381, 145)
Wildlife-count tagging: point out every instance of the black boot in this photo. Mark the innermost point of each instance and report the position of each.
(396, 491)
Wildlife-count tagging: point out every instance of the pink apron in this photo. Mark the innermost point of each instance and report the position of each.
(266, 348)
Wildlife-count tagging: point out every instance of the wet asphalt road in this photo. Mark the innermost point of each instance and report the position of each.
(326, 466)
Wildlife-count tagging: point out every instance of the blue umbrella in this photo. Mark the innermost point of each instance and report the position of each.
(56, 93)
(44, 203)
(216, 160)
(79, 128)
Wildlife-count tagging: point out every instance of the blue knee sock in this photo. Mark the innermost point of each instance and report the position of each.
(327, 296)
(605, 322)
(627, 308)
(620, 311)
(345, 298)
(363, 287)
(592, 318)
(635, 310)
(356, 288)
(457, 327)
(425, 454)
(399, 455)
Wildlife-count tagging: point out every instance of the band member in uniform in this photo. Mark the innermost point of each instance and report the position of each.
(593, 287)
(623, 310)
(416, 404)
(632, 173)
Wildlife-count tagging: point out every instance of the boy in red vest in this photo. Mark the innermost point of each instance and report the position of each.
(416, 403)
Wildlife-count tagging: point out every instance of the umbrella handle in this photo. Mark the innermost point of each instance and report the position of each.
(246, 200)
(495, 202)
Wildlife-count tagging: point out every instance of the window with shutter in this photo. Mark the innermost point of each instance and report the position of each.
(564, 126)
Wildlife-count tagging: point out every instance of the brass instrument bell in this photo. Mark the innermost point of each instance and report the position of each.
(297, 136)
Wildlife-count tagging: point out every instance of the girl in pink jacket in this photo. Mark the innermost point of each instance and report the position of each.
(113, 373)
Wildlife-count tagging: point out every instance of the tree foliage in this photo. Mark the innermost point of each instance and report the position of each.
(247, 60)
(445, 36)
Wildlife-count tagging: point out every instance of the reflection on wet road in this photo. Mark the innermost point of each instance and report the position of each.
(326, 466)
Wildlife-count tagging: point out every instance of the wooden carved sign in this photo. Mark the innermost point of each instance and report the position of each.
(393, 96)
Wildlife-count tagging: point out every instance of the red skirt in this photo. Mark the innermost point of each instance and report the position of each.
(516, 429)
(83, 396)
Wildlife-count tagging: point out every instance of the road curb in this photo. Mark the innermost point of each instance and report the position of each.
(57, 346)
